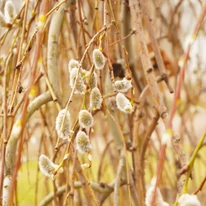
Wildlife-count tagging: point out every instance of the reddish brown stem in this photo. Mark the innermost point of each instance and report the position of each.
(184, 67)
(201, 186)
(44, 10)
(176, 97)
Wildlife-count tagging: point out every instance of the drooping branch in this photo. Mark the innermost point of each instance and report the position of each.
(18, 129)
(10, 158)
(52, 54)
(150, 77)
(38, 102)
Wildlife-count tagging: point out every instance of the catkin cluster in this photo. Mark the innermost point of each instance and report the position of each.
(95, 95)
(79, 78)
(122, 86)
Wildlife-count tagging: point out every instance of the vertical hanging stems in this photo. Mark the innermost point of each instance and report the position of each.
(44, 9)
(148, 70)
(183, 60)
(156, 94)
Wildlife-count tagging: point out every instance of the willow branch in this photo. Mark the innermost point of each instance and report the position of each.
(183, 61)
(146, 90)
(125, 30)
(38, 102)
(150, 77)
(146, 62)
(102, 188)
(52, 54)
(147, 137)
(89, 194)
(119, 141)
(153, 40)
(13, 140)
(140, 160)
(118, 177)
(18, 129)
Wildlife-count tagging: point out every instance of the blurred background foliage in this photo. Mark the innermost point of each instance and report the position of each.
(173, 22)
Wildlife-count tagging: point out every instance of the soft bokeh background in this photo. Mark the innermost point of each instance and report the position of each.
(173, 31)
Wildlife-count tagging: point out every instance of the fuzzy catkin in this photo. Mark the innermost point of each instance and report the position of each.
(63, 128)
(73, 64)
(83, 143)
(123, 104)
(85, 119)
(95, 99)
(98, 59)
(122, 85)
(9, 11)
(188, 200)
(80, 87)
(149, 195)
(46, 166)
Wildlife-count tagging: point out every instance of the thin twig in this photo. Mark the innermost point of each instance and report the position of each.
(118, 178)
(183, 60)
(201, 186)
(11, 186)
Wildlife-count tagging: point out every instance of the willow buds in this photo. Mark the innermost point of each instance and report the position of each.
(188, 200)
(123, 104)
(46, 166)
(73, 64)
(122, 85)
(85, 119)
(63, 123)
(83, 144)
(95, 99)
(149, 195)
(9, 11)
(41, 22)
(93, 80)
(2, 20)
(98, 59)
(79, 87)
